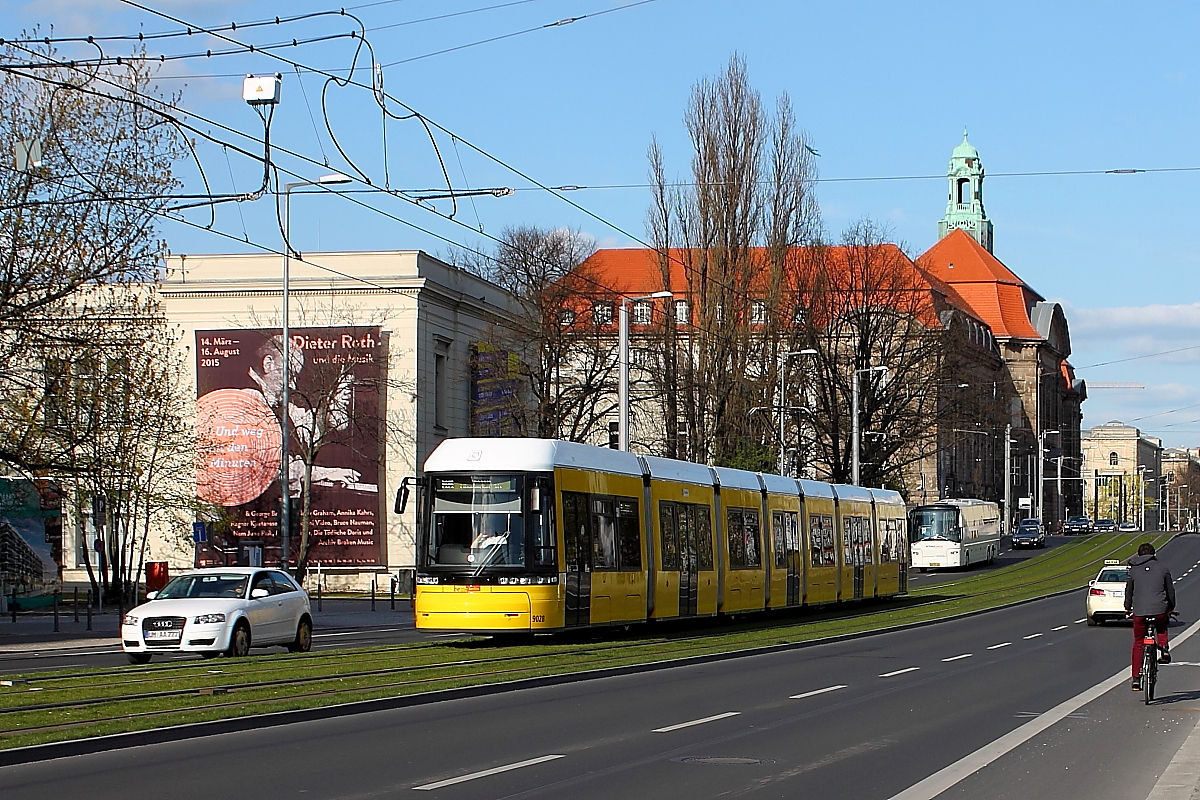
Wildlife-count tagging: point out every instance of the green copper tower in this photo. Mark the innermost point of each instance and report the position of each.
(964, 205)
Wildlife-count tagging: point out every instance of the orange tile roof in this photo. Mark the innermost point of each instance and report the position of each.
(989, 288)
(636, 271)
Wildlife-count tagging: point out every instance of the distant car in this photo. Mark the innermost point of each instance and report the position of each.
(1104, 526)
(1128, 527)
(1029, 533)
(1106, 594)
(1077, 525)
(224, 610)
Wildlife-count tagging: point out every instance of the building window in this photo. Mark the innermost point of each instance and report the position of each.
(439, 390)
(641, 313)
(602, 313)
(1114, 459)
(683, 312)
(799, 315)
(758, 313)
(566, 317)
(614, 435)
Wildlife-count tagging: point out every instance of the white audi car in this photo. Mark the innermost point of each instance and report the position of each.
(223, 610)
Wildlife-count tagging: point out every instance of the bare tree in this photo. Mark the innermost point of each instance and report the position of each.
(725, 247)
(95, 169)
(868, 307)
(565, 354)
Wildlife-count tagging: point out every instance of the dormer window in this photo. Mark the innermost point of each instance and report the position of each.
(1114, 460)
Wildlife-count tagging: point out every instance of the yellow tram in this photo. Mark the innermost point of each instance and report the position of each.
(538, 535)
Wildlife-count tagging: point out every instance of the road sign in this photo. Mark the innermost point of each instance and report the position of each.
(199, 532)
(1024, 502)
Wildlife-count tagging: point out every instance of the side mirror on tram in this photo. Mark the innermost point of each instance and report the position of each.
(402, 496)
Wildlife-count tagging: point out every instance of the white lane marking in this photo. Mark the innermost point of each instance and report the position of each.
(943, 779)
(956, 658)
(894, 673)
(1080, 620)
(1031, 636)
(998, 646)
(358, 633)
(713, 718)
(818, 691)
(1060, 628)
(485, 773)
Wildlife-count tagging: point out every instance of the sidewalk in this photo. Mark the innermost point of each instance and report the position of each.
(35, 631)
(1181, 779)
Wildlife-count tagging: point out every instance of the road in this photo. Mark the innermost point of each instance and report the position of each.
(865, 718)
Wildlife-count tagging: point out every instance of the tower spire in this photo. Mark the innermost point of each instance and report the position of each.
(964, 204)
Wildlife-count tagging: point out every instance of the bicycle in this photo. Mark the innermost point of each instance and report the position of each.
(1149, 673)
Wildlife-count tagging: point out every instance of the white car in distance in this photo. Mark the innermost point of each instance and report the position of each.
(1106, 594)
(222, 610)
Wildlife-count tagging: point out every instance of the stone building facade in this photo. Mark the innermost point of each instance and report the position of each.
(1121, 469)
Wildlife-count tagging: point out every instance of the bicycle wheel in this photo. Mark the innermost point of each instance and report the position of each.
(1149, 663)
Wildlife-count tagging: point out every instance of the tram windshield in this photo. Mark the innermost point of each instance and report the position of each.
(935, 523)
(478, 521)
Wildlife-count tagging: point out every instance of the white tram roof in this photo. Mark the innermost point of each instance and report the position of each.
(777, 484)
(738, 479)
(527, 455)
(845, 491)
(669, 469)
(815, 488)
(887, 497)
(960, 501)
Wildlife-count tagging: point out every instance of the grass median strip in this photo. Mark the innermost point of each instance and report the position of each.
(57, 706)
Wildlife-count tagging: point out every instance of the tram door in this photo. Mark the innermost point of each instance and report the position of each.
(787, 533)
(577, 550)
(853, 531)
(685, 525)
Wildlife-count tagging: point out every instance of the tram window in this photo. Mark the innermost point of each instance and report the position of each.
(868, 541)
(670, 548)
(885, 540)
(744, 542)
(737, 537)
(816, 535)
(703, 529)
(575, 535)
(629, 538)
(685, 532)
(828, 543)
(541, 531)
(478, 521)
(847, 541)
(604, 535)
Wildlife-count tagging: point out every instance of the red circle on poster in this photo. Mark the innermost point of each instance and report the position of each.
(237, 448)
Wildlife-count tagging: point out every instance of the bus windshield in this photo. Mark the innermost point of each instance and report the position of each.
(477, 521)
(935, 523)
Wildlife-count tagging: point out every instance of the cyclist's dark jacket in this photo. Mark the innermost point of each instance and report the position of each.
(1149, 590)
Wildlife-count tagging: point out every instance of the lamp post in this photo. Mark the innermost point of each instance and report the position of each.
(855, 430)
(1041, 471)
(285, 482)
(623, 387)
(1178, 506)
(783, 357)
(1142, 481)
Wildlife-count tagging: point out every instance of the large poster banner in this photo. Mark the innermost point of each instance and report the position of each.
(334, 419)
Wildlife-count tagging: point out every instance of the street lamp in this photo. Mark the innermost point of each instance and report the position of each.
(623, 387)
(285, 510)
(783, 357)
(855, 432)
(1178, 504)
(1041, 469)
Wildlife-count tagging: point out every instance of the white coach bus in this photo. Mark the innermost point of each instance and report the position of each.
(953, 533)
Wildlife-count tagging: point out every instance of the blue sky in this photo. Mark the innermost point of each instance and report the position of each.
(883, 89)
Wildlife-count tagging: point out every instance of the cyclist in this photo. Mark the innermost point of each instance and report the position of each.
(1149, 592)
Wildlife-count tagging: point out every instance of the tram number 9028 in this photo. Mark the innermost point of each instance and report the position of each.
(539, 617)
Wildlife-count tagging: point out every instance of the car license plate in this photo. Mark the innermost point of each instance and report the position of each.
(167, 635)
(1117, 592)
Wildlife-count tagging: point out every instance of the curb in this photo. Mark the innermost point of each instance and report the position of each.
(119, 741)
